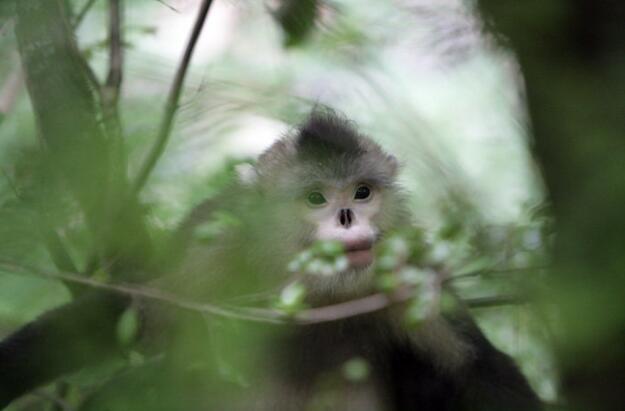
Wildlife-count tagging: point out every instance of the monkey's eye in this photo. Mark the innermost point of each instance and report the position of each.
(316, 199)
(362, 192)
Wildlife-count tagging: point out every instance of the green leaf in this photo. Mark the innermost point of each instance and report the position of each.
(386, 263)
(135, 358)
(220, 223)
(415, 276)
(292, 298)
(387, 282)
(329, 248)
(356, 369)
(101, 276)
(297, 20)
(419, 308)
(128, 327)
(448, 303)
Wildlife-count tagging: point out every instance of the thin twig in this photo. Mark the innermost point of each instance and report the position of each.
(502, 271)
(171, 105)
(112, 86)
(496, 301)
(328, 313)
(83, 12)
(169, 6)
(116, 56)
(92, 79)
(91, 76)
(352, 308)
(138, 291)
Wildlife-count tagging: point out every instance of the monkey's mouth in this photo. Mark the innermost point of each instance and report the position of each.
(359, 254)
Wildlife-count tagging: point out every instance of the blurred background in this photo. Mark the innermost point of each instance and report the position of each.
(433, 81)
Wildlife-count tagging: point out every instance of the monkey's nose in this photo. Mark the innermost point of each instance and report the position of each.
(346, 217)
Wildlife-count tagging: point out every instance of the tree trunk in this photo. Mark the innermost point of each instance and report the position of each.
(572, 54)
(69, 118)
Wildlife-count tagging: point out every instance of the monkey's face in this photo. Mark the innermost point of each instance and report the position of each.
(343, 187)
(310, 203)
(355, 211)
(346, 212)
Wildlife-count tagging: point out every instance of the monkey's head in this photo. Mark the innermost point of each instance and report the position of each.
(325, 181)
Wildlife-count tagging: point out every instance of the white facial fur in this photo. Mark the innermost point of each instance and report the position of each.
(358, 236)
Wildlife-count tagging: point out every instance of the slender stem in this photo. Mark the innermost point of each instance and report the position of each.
(83, 12)
(351, 308)
(171, 105)
(112, 86)
(494, 271)
(91, 77)
(496, 301)
(148, 293)
(359, 306)
(116, 57)
(169, 6)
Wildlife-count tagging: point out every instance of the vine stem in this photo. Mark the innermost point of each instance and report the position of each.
(171, 106)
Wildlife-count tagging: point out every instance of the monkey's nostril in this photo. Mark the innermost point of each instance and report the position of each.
(345, 217)
(342, 218)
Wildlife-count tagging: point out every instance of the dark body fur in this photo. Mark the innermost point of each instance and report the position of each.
(446, 365)
(407, 378)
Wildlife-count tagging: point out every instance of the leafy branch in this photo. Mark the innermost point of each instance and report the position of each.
(333, 312)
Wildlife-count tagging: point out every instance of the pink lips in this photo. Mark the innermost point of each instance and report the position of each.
(359, 252)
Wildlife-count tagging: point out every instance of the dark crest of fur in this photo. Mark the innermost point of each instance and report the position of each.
(325, 134)
(326, 146)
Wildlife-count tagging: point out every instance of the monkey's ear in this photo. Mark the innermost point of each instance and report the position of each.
(246, 173)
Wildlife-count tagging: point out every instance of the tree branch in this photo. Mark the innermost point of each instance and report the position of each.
(64, 107)
(82, 13)
(85, 155)
(144, 292)
(352, 308)
(496, 301)
(493, 271)
(171, 105)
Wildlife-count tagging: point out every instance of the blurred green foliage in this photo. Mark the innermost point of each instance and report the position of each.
(460, 136)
